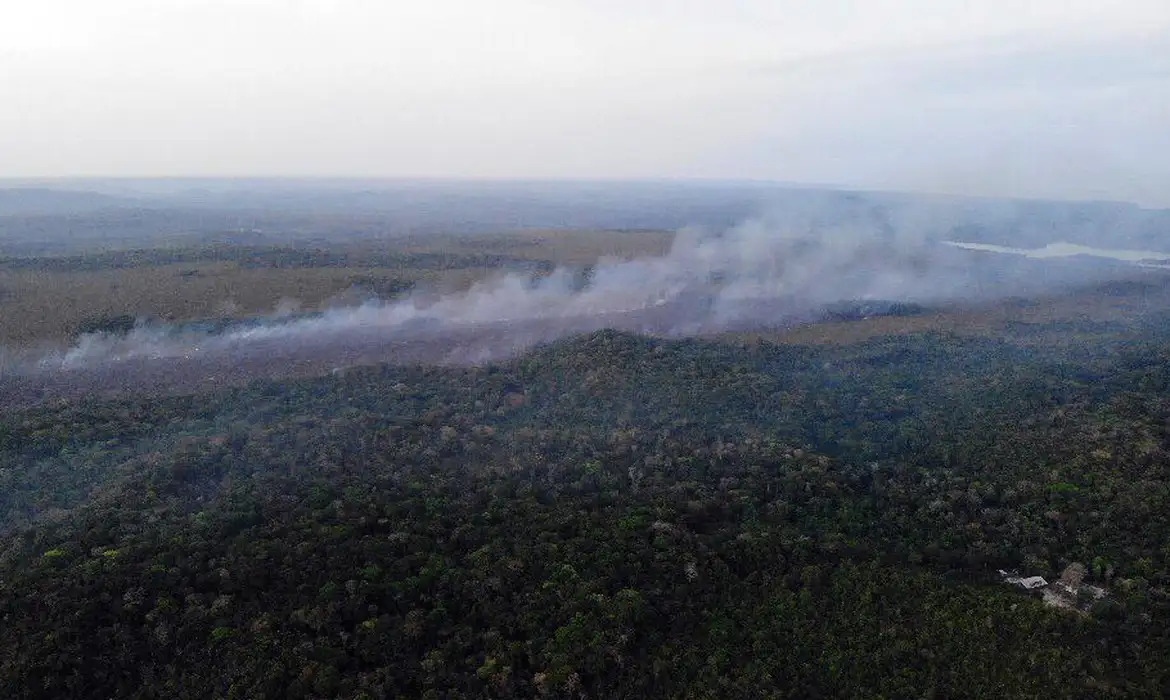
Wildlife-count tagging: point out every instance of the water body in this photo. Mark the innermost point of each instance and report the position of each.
(1067, 250)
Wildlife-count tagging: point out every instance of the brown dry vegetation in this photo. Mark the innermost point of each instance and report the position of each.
(574, 247)
(50, 305)
(1015, 319)
(38, 305)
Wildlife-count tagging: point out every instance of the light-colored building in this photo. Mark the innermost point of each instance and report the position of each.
(1031, 582)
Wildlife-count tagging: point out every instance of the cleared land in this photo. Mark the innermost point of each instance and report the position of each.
(48, 299)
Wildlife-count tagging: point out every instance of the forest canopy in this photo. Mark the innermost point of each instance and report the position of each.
(611, 515)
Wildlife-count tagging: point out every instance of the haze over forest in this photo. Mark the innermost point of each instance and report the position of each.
(745, 254)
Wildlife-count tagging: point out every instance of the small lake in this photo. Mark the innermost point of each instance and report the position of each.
(1067, 250)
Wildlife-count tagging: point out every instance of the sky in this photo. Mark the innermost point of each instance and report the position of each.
(1027, 98)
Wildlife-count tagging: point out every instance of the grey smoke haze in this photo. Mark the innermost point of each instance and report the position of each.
(767, 272)
(97, 215)
(1048, 98)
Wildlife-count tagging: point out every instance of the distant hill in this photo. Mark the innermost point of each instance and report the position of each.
(466, 206)
(139, 209)
(23, 201)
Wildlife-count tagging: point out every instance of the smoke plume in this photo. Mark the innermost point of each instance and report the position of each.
(762, 273)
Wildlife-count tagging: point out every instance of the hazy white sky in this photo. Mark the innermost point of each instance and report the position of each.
(1067, 98)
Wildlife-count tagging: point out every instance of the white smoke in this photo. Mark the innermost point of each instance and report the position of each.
(760, 272)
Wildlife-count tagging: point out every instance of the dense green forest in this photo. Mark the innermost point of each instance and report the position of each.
(608, 516)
